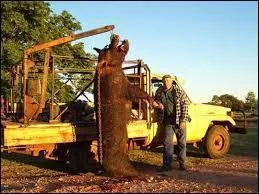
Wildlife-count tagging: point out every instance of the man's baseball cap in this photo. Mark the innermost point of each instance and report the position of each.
(167, 76)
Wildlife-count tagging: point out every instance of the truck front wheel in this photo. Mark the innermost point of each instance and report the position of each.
(217, 142)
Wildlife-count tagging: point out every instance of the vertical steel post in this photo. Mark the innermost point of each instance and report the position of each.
(52, 91)
(24, 78)
(44, 84)
(140, 84)
(11, 96)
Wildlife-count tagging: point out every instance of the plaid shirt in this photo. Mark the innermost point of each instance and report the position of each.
(181, 105)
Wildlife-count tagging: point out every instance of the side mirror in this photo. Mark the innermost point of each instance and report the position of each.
(189, 119)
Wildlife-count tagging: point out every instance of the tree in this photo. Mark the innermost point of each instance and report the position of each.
(228, 101)
(256, 106)
(232, 102)
(251, 101)
(26, 23)
(216, 100)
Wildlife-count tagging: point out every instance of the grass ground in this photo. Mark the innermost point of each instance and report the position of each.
(245, 145)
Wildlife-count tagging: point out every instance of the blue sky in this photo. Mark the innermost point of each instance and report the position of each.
(213, 46)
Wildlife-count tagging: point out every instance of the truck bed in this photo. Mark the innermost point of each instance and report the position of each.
(16, 134)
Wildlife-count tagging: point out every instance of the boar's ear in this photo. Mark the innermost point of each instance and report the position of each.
(97, 50)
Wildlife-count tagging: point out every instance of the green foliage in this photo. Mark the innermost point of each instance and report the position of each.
(216, 100)
(4, 81)
(251, 101)
(28, 23)
(229, 101)
(65, 92)
(235, 104)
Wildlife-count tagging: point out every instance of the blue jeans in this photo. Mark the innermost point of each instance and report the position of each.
(169, 146)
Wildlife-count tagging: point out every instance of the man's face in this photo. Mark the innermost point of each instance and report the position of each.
(167, 82)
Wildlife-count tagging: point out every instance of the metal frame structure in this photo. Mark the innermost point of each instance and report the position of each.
(69, 71)
(32, 107)
(141, 77)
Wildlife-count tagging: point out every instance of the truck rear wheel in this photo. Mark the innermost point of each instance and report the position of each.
(217, 142)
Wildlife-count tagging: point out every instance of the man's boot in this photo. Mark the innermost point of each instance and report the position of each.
(182, 167)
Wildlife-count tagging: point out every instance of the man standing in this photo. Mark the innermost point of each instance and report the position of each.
(173, 113)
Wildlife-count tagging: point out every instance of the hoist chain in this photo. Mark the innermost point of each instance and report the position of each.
(100, 145)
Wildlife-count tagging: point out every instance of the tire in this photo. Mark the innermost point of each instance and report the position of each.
(217, 142)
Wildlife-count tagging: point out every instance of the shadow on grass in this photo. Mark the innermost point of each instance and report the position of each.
(10, 187)
(144, 166)
(191, 151)
(38, 162)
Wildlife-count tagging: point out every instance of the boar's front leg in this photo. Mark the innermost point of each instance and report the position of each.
(134, 93)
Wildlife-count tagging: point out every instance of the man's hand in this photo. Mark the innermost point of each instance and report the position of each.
(157, 105)
(153, 105)
(182, 125)
(160, 106)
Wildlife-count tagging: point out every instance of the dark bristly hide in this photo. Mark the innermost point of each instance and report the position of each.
(116, 94)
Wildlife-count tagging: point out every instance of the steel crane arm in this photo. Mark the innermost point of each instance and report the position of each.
(69, 38)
